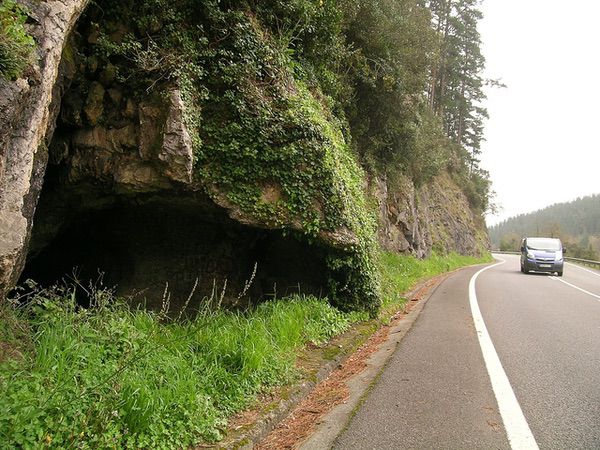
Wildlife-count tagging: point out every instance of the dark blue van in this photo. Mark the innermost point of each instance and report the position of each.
(542, 255)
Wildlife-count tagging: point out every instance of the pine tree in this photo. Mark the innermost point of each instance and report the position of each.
(456, 84)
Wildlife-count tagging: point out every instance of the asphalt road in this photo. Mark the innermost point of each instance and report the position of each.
(436, 391)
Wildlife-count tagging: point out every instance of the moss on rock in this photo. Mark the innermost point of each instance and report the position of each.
(278, 154)
(266, 145)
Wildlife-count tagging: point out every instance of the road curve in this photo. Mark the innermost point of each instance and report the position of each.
(547, 334)
(436, 392)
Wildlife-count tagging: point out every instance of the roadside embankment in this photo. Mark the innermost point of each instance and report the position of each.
(109, 375)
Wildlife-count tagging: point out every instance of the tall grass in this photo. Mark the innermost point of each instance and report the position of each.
(399, 273)
(112, 377)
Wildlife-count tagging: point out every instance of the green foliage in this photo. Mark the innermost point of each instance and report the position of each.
(273, 147)
(158, 44)
(16, 45)
(456, 92)
(110, 377)
(456, 87)
(430, 151)
(399, 273)
(390, 71)
(582, 249)
(510, 243)
(476, 185)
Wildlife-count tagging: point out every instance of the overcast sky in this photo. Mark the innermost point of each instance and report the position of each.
(543, 135)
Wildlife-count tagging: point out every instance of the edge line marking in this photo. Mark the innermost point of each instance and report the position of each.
(517, 429)
(584, 268)
(576, 287)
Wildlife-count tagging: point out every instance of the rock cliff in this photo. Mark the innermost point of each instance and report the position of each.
(435, 216)
(176, 184)
(28, 108)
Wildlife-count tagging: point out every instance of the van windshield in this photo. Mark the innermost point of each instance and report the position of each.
(543, 244)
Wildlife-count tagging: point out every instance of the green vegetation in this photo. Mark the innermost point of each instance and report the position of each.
(290, 103)
(16, 45)
(110, 377)
(576, 223)
(399, 273)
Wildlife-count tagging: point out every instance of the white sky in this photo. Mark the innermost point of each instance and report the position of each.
(542, 139)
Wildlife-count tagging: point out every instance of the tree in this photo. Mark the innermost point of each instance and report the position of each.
(510, 242)
(456, 84)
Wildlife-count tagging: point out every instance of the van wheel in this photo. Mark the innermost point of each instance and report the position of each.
(524, 270)
(559, 274)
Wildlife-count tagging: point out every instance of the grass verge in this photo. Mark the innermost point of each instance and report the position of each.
(399, 273)
(110, 377)
(113, 377)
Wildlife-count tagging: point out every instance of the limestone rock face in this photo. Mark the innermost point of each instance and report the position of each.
(150, 150)
(144, 154)
(25, 119)
(436, 216)
(176, 150)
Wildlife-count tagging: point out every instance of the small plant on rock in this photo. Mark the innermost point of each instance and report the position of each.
(16, 45)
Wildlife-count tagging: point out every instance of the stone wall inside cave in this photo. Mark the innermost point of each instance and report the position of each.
(140, 245)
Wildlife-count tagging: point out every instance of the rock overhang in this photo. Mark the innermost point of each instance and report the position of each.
(111, 147)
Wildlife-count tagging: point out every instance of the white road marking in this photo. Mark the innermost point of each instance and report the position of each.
(576, 287)
(583, 268)
(517, 429)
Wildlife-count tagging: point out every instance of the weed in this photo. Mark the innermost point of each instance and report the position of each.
(16, 45)
(110, 376)
(330, 353)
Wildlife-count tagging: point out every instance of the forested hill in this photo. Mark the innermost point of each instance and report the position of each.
(577, 222)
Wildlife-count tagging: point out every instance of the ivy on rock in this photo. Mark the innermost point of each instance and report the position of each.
(272, 146)
(266, 143)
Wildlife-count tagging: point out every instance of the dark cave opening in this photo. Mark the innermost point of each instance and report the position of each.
(113, 203)
(142, 244)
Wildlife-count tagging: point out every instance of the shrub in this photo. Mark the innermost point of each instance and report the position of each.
(16, 46)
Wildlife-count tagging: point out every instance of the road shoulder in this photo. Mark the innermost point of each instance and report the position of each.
(435, 391)
(333, 423)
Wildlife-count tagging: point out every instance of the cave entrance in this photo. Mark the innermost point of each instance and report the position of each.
(118, 200)
(140, 246)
